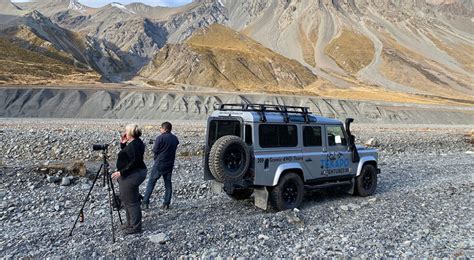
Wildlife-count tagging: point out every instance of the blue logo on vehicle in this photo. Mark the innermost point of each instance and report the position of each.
(335, 164)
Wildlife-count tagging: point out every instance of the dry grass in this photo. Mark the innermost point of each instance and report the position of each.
(21, 66)
(351, 51)
(231, 60)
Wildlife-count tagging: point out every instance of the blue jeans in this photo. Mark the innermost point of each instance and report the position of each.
(155, 175)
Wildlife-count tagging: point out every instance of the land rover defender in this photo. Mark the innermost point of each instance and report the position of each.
(279, 151)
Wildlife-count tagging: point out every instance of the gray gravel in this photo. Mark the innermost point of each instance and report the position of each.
(422, 207)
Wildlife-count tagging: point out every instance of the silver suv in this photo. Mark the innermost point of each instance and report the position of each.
(277, 151)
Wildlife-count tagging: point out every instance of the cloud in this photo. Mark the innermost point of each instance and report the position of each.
(99, 3)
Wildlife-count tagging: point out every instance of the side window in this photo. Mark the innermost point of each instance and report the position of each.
(336, 136)
(312, 136)
(248, 134)
(278, 136)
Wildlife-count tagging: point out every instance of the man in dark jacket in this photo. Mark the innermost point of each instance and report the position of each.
(164, 151)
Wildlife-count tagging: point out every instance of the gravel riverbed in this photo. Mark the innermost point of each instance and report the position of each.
(423, 206)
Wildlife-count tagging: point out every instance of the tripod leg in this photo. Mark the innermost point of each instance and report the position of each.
(111, 209)
(86, 199)
(115, 199)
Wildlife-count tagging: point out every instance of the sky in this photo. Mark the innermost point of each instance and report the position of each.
(99, 3)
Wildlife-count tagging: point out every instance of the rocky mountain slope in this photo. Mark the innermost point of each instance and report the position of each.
(220, 57)
(409, 46)
(412, 50)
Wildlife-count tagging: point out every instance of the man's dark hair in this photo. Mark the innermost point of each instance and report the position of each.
(167, 126)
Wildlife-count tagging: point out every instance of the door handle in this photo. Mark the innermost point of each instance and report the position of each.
(309, 160)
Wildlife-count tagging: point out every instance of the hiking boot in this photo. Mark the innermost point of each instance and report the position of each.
(165, 206)
(145, 205)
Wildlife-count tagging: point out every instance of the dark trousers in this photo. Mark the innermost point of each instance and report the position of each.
(129, 195)
(156, 173)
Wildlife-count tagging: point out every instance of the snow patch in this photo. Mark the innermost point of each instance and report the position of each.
(74, 5)
(122, 7)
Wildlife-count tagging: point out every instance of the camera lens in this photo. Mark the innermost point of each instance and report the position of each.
(99, 147)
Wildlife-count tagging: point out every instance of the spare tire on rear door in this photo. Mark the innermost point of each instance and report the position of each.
(229, 158)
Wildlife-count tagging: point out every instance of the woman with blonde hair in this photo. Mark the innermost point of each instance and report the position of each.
(131, 172)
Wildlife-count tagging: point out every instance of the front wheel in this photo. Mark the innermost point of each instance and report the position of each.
(288, 194)
(366, 182)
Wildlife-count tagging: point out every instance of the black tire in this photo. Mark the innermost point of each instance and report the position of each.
(366, 182)
(289, 192)
(229, 158)
(241, 194)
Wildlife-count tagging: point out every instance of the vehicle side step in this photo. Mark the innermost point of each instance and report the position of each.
(327, 185)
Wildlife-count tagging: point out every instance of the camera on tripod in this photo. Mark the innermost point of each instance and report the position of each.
(100, 147)
(114, 201)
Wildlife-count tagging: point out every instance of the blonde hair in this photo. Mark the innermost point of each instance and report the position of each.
(133, 130)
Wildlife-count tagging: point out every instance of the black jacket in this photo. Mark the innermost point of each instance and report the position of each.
(165, 150)
(130, 158)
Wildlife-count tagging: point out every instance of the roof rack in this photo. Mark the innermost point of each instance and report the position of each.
(263, 108)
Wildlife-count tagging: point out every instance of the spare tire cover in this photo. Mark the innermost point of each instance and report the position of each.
(229, 158)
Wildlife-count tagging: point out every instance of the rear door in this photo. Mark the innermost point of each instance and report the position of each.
(217, 128)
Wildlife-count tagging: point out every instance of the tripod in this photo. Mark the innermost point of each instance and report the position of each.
(104, 167)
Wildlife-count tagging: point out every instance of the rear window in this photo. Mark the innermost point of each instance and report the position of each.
(220, 128)
(312, 136)
(278, 136)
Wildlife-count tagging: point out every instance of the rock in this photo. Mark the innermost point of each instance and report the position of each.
(160, 238)
(344, 207)
(263, 237)
(372, 142)
(52, 179)
(407, 243)
(66, 181)
(353, 206)
(372, 200)
(294, 219)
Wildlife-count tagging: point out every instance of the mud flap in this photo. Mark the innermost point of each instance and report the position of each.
(216, 187)
(351, 189)
(261, 197)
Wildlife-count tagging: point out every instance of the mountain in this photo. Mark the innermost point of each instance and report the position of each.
(421, 47)
(36, 51)
(220, 57)
(51, 7)
(412, 50)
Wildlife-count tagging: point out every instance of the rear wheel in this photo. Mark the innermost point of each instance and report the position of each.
(288, 194)
(240, 194)
(366, 182)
